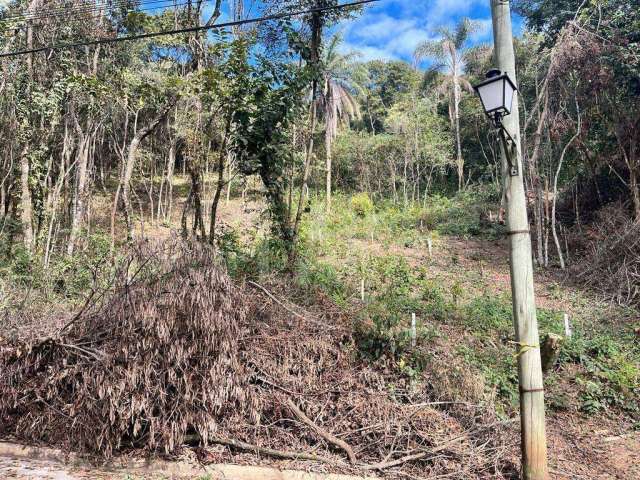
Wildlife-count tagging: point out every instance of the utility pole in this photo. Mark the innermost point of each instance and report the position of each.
(533, 436)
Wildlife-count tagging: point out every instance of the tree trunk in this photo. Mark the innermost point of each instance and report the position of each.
(456, 114)
(26, 205)
(196, 198)
(216, 198)
(555, 189)
(132, 154)
(171, 165)
(316, 38)
(79, 199)
(25, 201)
(327, 142)
(534, 174)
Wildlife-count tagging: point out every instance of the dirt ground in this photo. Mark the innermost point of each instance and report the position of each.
(580, 446)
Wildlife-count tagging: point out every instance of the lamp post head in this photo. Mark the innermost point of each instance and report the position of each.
(496, 94)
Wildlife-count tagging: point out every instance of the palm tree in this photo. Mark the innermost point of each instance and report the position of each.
(449, 55)
(336, 103)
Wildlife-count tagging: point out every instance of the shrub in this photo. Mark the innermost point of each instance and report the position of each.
(362, 204)
(436, 306)
(324, 277)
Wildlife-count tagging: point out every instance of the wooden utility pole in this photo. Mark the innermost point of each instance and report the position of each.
(533, 436)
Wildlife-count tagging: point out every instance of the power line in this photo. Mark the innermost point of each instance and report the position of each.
(99, 41)
(89, 8)
(174, 4)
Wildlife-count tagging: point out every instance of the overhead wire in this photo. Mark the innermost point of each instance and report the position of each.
(99, 41)
(84, 6)
(93, 10)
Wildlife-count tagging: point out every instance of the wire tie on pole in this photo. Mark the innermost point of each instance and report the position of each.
(524, 348)
(516, 232)
(531, 390)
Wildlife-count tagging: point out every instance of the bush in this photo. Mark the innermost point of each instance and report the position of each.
(611, 373)
(362, 204)
(324, 277)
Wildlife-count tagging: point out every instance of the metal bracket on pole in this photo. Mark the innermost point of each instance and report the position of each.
(508, 143)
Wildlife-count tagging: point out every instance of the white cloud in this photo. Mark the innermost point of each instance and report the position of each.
(367, 53)
(382, 34)
(392, 29)
(380, 27)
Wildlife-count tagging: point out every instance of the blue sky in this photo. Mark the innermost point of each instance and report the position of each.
(391, 29)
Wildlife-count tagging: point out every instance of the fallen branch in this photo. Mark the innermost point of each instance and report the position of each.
(414, 456)
(289, 455)
(288, 309)
(395, 463)
(320, 431)
(272, 297)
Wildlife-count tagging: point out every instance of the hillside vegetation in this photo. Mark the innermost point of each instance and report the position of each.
(253, 245)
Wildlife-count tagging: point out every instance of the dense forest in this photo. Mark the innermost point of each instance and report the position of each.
(267, 159)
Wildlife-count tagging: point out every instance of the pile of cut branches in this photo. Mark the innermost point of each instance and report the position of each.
(175, 353)
(157, 358)
(611, 263)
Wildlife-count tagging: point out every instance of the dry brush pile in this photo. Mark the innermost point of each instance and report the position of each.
(177, 353)
(610, 264)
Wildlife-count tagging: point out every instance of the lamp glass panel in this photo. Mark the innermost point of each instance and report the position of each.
(508, 96)
(491, 95)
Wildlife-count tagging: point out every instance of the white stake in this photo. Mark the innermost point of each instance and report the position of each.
(430, 246)
(567, 326)
(413, 329)
(362, 289)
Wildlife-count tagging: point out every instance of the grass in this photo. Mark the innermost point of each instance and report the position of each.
(385, 245)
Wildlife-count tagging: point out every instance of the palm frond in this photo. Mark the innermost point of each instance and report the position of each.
(332, 48)
(464, 30)
(464, 83)
(430, 49)
(478, 53)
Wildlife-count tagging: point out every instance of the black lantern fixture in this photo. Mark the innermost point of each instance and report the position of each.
(496, 94)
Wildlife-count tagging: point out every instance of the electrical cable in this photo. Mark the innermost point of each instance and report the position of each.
(90, 9)
(80, 16)
(99, 41)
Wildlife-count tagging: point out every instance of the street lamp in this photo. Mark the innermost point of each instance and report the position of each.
(496, 94)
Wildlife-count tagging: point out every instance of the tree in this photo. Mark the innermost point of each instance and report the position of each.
(383, 82)
(449, 54)
(335, 102)
(422, 136)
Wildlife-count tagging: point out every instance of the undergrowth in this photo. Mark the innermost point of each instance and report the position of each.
(599, 363)
(358, 249)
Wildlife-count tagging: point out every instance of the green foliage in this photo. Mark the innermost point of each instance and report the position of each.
(611, 371)
(489, 314)
(322, 276)
(66, 276)
(361, 204)
(434, 304)
(461, 214)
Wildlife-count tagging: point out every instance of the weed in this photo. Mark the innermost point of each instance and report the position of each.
(362, 204)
